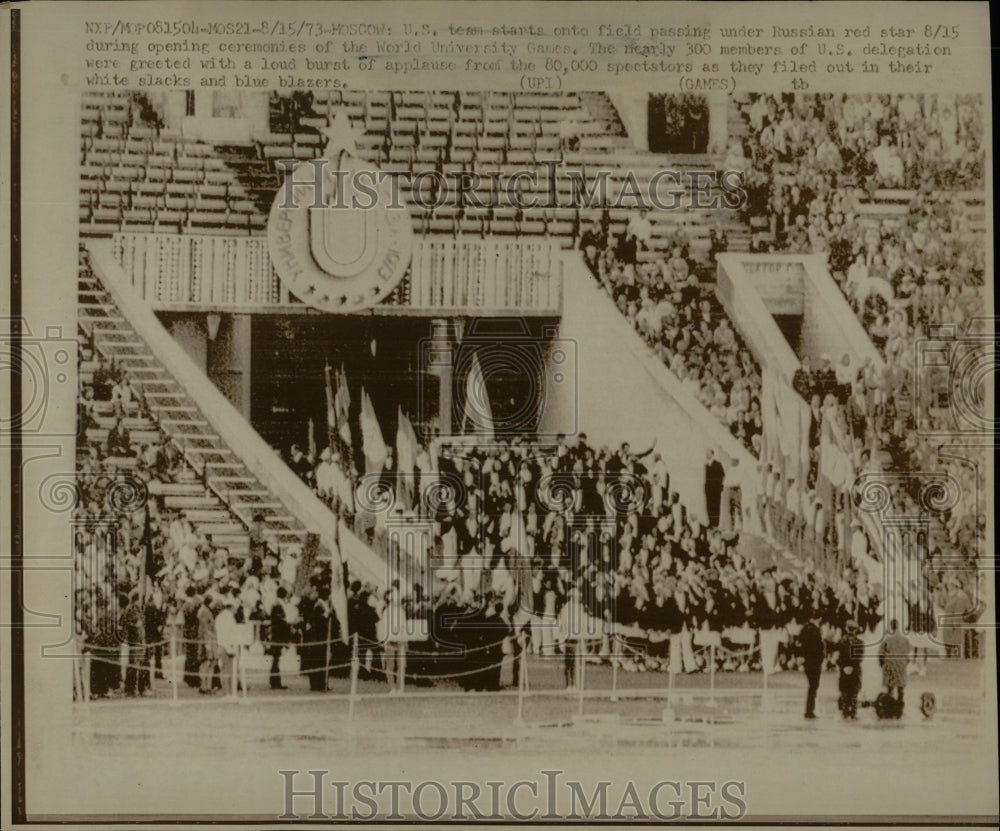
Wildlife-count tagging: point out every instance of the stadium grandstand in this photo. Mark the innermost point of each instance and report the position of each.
(689, 424)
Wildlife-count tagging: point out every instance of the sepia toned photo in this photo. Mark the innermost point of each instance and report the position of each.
(518, 451)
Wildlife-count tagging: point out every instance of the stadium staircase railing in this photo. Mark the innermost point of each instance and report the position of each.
(237, 464)
(187, 493)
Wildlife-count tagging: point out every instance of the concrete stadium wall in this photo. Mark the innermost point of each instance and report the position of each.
(750, 303)
(192, 336)
(225, 359)
(829, 324)
(633, 110)
(753, 287)
(623, 392)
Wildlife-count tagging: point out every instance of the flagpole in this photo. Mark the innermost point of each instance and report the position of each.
(331, 408)
(522, 659)
(329, 635)
(354, 677)
(614, 678)
(143, 567)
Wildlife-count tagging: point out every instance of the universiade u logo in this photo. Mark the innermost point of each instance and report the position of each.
(338, 235)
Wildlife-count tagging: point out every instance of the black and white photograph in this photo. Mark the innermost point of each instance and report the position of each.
(523, 452)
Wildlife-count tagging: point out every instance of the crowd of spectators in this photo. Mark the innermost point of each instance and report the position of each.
(817, 167)
(534, 530)
(681, 320)
(647, 571)
(863, 423)
(823, 171)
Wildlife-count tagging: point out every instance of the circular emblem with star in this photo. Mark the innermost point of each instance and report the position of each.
(338, 236)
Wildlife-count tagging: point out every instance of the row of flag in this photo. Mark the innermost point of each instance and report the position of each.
(338, 406)
(477, 420)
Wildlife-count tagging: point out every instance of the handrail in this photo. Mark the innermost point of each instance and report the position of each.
(231, 427)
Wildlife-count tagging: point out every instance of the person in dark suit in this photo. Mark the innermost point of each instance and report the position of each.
(849, 664)
(715, 475)
(119, 442)
(189, 636)
(258, 546)
(103, 380)
(593, 241)
(281, 635)
(802, 380)
(131, 625)
(315, 626)
(813, 652)
(894, 658)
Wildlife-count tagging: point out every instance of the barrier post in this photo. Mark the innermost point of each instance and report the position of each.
(668, 711)
(614, 677)
(79, 692)
(243, 671)
(81, 672)
(174, 680)
(519, 720)
(326, 661)
(711, 666)
(524, 664)
(354, 676)
(402, 666)
(86, 675)
(234, 680)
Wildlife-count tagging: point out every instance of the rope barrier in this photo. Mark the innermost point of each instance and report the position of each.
(397, 676)
(750, 650)
(475, 671)
(118, 662)
(458, 653)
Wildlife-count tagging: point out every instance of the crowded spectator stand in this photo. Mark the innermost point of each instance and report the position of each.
(543, 528)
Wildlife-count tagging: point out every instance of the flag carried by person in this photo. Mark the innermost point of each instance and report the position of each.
(331, 408)
(407, 449)
(338, 592)
(372, 442)
(311, 451)
(338, 408)
(477, 419)
(342, 405)
(147, 567)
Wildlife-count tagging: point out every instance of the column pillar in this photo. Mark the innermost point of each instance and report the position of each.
(441, 364)
(229, 359)
(718, 122)
(633, 110)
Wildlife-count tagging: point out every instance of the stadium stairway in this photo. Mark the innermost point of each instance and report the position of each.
(188, 493)
(226, 488)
